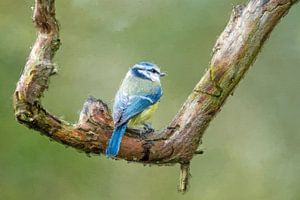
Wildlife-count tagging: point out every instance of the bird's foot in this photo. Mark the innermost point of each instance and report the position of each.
(148, 129)
(141, 133)
(135, 132)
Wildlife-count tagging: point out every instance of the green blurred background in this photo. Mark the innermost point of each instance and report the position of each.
(251, 148)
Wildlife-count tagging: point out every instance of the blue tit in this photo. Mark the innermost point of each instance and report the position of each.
(135, 101)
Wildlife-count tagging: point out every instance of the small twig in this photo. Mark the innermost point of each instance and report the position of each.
(199, 151)
(184, 177)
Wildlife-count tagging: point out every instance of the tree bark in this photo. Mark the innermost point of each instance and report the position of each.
(235, 51)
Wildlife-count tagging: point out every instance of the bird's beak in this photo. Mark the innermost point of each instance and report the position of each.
(162, 74)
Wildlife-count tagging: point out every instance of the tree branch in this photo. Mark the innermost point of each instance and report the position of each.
(234, 52)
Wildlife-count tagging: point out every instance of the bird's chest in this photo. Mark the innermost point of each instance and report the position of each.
(139, 120)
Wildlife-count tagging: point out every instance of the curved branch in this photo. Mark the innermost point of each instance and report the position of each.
(234, 52)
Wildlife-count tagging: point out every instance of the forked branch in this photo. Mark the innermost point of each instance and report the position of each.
(234, 52)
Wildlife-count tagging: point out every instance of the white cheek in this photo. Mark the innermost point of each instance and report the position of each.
(155, 77)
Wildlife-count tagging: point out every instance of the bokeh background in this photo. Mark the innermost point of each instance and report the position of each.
(251, 148)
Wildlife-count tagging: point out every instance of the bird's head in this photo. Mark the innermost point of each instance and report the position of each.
(147, 70)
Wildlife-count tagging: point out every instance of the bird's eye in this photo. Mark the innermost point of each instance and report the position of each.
(153, 70)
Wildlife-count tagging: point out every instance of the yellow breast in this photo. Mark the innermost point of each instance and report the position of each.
(139, 120)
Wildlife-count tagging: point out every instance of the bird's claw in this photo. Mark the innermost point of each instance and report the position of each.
(148, 129)
(141, 133)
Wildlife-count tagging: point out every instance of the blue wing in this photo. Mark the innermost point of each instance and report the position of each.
(127, 107)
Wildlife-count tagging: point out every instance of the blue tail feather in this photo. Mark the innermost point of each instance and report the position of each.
(115, 140)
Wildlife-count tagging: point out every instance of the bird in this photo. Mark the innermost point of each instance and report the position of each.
(135, 102)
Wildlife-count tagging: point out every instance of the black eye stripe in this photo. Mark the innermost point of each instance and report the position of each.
(153, 71)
